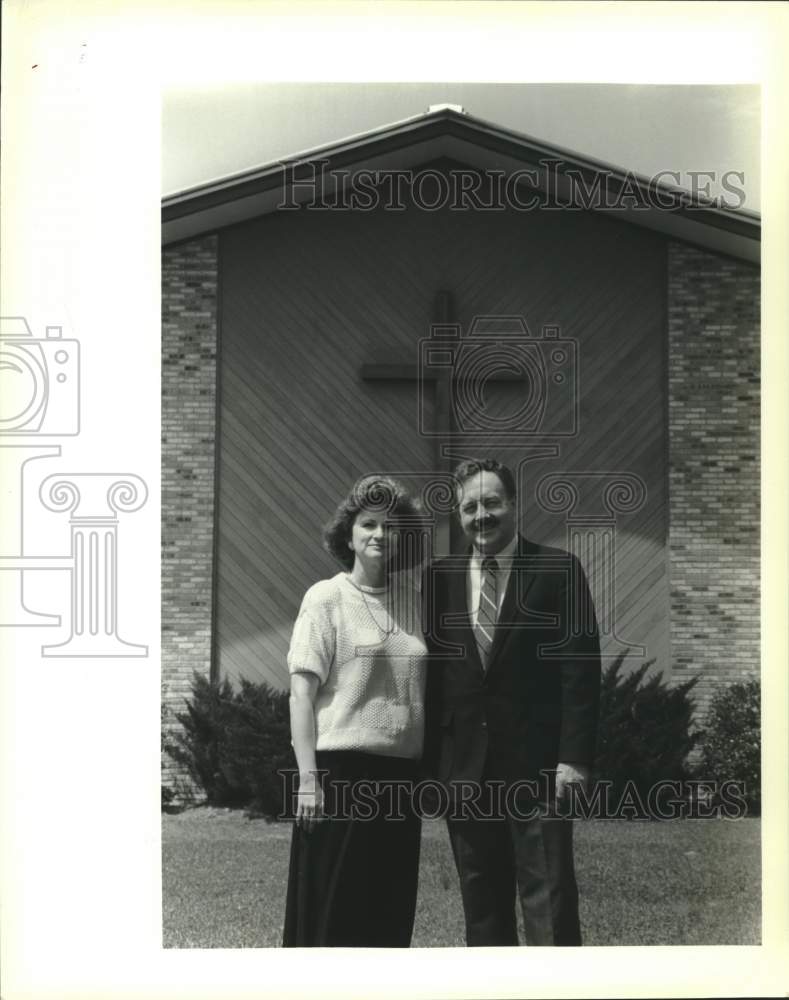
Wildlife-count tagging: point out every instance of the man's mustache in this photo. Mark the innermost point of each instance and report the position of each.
(487, 522)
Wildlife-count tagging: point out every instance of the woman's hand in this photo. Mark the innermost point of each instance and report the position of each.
(309, 802)
(309, 809)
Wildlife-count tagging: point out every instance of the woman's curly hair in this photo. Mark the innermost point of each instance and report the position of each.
(378, 493)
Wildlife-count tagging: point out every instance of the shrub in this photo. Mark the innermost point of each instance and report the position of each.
(645, 731)
(233, 743)
(731, 740)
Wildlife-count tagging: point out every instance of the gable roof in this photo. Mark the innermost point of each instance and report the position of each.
(446, 131)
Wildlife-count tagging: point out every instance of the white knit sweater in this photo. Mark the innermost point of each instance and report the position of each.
(366, 646)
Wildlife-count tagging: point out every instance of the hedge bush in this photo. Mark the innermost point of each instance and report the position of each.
(731, 740)
(234, 743)
(646, 730)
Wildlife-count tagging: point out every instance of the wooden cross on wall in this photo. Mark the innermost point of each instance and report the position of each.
(442, 410)
(447, 531)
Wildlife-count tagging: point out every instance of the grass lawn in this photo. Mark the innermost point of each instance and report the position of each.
(641, 883)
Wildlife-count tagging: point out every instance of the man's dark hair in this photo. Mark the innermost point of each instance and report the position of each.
(474, 466)
(377, 493)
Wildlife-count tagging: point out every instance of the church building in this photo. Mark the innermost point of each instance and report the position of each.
(442, 288)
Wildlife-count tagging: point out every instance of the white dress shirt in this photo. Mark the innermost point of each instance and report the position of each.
(474, 578)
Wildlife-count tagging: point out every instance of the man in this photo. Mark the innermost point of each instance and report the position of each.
(512, 705)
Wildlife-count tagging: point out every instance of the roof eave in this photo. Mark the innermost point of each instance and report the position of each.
(446, 132)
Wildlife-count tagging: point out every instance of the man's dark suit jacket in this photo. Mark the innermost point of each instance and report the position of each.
(537, 703)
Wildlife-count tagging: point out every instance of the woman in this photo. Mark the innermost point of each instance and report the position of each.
(357, 667)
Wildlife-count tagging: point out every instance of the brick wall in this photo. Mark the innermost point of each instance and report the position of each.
(714, 466)
(189, 331)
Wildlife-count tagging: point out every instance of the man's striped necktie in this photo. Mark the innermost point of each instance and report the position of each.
(488, 610)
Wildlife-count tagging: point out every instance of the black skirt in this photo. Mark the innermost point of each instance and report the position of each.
(353, 878)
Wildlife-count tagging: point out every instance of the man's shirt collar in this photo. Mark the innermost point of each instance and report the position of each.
(503, 558)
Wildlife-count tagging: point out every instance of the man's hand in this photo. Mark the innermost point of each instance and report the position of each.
(570, 774)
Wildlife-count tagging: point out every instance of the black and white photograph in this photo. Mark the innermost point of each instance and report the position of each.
(548, 358)
(415, 559)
